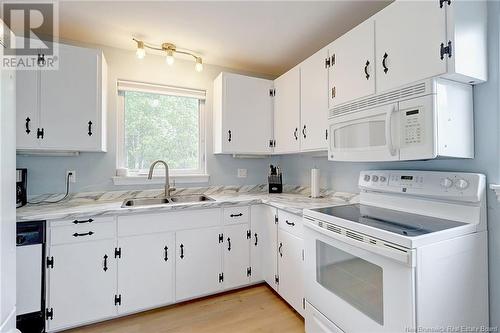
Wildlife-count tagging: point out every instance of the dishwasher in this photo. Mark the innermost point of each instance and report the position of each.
(30, 278)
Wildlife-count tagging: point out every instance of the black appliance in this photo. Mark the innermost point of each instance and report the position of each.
(30, 277)
(21, 187)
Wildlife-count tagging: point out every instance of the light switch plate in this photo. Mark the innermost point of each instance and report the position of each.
(242, 173)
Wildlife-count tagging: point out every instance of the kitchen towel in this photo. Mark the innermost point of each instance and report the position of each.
(315, 183)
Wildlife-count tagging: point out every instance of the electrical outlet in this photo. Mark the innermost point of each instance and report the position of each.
(72, 177)
(242, 173)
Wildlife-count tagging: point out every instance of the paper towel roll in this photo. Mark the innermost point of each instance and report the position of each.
(314, 183)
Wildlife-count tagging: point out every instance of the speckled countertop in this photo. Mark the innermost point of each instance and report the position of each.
(294, 200)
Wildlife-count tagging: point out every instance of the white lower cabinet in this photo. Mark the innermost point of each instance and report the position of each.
(237, 268)
(290, 270)
(145, 271)
(81, 283)
(198, 262)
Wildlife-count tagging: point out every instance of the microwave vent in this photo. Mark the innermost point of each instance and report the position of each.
(381, 99)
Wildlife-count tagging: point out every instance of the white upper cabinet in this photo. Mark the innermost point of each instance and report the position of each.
(66, 106)
(314, 102)
(287, 112)
(408, 42)
(352, 65)
(243, 111)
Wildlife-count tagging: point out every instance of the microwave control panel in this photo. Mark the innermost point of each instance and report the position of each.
(412, 126)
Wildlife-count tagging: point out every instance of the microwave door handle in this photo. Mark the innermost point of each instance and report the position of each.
(388, 131)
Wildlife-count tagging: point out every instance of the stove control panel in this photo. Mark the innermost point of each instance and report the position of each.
(445, 185)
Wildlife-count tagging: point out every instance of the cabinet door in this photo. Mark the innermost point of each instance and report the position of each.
(259, 216)
(287, 112)
(352, 65)
(269, 247)
(27, 83)
(198, 263)
(236, 256)
(247, 114)
(82, 283)
(314, 102)
(70, 101)
(290, 269)
(408, 39)
(146, 271)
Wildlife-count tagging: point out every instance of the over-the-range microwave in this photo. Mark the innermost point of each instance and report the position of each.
(426, 120)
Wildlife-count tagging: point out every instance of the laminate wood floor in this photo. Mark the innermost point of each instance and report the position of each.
(253, 309)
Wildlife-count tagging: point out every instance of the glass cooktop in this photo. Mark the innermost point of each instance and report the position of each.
(394, 221)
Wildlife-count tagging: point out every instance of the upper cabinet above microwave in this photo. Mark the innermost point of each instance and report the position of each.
(406, 42)
(63, 109)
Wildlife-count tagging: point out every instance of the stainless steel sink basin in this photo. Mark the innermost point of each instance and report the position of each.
(144, 202)
(190, 198)
(163, 201)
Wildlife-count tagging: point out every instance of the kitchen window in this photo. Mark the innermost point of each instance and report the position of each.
(160, 123)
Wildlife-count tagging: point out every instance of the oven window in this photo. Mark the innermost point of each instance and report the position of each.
(356, 281)
(360, 135)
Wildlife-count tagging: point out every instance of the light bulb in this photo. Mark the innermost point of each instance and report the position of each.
(170, 57)
(199, 65)
(141, 52)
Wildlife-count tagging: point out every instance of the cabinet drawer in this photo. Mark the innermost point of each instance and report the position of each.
(62, 232)
(290, 222)
(234, 215)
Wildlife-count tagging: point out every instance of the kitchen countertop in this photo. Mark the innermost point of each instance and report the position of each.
(84, 204)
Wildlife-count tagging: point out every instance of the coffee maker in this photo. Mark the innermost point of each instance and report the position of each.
(21, 187)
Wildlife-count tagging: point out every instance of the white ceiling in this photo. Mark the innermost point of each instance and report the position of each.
(259, 36)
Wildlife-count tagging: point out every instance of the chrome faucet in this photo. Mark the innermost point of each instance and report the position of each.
(168, 189)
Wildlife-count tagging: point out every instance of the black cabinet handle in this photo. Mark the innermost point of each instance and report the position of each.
(326, 134)
(182, 251)
(295, 133)
(279, 249)
(166, 253)
(229, 244)
(229, 137)
(304, 131)
(290, 223)
(105, 267)
(256, 239)
(90, 128)
(28, 125)
(83, 221)
(384, 63)
(367, 75)
(236, 215)
(334, 92)
(90, 233)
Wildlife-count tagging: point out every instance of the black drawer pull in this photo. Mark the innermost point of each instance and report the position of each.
(256, 240)
(28, 125)
(236, 215)
(105, 268)
(166, 253)
(290, 223)
(279, 250)
(304, 131)
(295, 135)
(182, 251)
(384, 63)
(367, 75)
(90, 128)
(229, 136)
(90, 233)
(229, 244)
(83, 221)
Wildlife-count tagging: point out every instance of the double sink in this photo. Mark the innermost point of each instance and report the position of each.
(165, 200)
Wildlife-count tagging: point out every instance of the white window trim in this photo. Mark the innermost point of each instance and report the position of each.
(178, 176)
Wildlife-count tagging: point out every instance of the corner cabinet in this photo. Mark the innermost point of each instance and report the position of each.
(242, 114)
(64, 109)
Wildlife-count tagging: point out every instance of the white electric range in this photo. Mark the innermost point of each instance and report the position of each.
(411, 256)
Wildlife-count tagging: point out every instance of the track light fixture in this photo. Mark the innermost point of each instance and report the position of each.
(169, 49)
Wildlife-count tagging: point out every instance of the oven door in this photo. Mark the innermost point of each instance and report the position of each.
(368, 135)
(358, 286)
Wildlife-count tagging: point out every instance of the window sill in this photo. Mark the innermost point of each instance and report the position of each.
(496, 188)
(178, 179)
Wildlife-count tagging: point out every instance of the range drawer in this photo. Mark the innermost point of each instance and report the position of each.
(237, 214)
(290, 222)
(81, 230)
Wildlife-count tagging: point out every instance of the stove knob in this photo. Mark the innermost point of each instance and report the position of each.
(446, 182)
(461, 184)
(383, 179)
(375, 178)
(367, 178)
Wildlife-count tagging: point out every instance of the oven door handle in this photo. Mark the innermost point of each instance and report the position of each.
(388, 131)
(407, 258)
